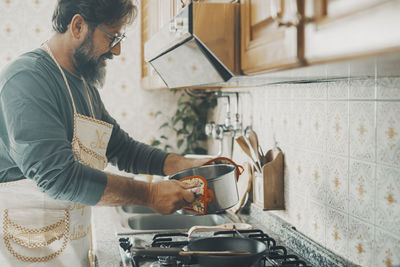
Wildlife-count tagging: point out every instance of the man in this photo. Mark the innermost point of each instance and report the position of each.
(56, 137)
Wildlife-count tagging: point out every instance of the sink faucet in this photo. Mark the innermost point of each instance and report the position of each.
(229, 128)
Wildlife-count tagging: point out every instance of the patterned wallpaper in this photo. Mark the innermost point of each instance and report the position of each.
(25, 24)
(341, 142)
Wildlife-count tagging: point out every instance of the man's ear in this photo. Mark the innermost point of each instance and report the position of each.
(78, 27)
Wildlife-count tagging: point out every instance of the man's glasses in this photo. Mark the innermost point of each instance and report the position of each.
(116, 39)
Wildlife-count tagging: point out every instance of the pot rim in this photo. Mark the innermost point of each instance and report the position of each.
(205, 167)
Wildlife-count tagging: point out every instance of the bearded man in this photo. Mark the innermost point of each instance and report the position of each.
(56, 137)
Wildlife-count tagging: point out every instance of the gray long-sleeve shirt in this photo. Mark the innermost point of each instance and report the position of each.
(36, 129)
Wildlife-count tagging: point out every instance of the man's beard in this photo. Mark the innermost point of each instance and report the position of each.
(92, 69)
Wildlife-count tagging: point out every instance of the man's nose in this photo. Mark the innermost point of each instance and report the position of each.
(116, 50)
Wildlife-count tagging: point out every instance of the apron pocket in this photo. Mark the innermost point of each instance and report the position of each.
(36, 233)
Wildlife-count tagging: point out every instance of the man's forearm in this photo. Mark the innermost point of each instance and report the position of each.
(124, 191)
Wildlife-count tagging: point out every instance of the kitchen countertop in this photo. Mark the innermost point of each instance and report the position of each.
(107, 222)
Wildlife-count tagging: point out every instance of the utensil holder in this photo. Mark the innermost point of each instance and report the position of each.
(268, 186)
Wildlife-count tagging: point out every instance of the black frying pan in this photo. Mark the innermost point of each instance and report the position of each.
(254, 250)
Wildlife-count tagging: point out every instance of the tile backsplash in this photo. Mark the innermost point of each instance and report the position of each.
(341, 141)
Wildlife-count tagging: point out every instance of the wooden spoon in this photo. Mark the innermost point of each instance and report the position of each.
(253, 139)
(246, 149)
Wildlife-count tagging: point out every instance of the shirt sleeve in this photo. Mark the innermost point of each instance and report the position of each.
(35, 134)
(130, 155)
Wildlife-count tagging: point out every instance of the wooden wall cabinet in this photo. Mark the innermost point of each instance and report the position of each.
(271, 37)
(343, 29)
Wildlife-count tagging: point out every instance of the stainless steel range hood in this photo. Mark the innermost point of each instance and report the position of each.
(199, 46)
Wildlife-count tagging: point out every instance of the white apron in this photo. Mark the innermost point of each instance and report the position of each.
(36, 230)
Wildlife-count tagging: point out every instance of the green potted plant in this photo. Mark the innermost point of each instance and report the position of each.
(188, 122)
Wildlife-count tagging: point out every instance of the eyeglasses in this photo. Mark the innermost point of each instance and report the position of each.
(116, 38)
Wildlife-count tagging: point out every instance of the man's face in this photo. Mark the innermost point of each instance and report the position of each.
(90, 57)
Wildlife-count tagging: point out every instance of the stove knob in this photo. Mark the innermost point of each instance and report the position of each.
(125, 244)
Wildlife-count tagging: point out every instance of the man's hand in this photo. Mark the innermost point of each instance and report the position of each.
(168, 196)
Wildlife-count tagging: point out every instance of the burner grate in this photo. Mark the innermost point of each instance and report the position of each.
(277, 255)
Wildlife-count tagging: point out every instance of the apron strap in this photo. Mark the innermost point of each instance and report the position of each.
(48, 50)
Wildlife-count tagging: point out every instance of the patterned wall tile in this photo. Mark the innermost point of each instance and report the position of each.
(361, 242)
(362, 130)
(362, 190)
(316, 176)
(317, 224)
(299, 216)
(317, 91)
(317, 125)
(300, 123)
(299, 169)
(388, 199)
(338, 89)
(387, 251)
(284, 123)
(388, 88)
(337, 231)
(337, 128)
(388, 133)
(337, 183)
(362, 88)
(299, 91)
(284, 91)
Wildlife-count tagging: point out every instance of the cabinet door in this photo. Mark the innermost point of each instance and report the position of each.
(344, 29)
(154, 15)
(265, 43)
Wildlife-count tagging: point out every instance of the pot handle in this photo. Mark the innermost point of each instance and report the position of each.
(225, 226)
(239, 168)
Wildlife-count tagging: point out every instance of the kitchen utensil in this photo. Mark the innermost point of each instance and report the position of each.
(250, 251)
(246, 149)
(244, 187)
(253, 139)
(221, 180)
(225, 227)
(269, 185)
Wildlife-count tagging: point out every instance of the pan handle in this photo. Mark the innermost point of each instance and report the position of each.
(155, 251)
(239, 168)
(225, 226)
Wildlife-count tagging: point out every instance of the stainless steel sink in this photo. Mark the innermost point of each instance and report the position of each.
(137, 209)
(173, 221)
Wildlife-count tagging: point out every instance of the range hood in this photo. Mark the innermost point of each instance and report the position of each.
(199, 46)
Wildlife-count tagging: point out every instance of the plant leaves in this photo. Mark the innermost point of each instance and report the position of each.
(157, 113)
(165, 124)
(180, 143)
(155, 143)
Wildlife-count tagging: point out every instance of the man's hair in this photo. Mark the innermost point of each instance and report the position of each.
(109, 12)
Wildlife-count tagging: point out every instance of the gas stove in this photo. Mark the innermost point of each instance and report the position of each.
(277, 255)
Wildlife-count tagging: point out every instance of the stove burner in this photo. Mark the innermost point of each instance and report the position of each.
(277, 255)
